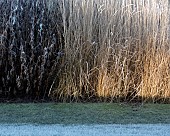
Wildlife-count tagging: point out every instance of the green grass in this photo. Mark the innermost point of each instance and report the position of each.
(89, 113)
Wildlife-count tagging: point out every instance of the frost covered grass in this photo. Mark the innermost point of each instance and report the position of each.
(88, 113)
(85, 50)
(85, 130)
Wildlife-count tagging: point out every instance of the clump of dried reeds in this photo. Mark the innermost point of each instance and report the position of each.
(111, 50)
(115, 50)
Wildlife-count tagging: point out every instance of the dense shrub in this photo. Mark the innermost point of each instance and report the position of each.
(30, 46)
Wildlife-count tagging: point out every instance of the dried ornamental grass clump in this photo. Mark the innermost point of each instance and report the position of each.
(112, 50)
(106, 48)
(29, 46)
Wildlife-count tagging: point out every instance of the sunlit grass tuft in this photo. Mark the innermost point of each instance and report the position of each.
(115, 50)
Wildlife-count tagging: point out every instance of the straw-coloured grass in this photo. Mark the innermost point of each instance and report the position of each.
(116, 50)
(112, 50)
